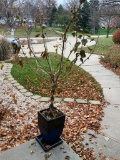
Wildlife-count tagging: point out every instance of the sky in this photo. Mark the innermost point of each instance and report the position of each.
(60, 2)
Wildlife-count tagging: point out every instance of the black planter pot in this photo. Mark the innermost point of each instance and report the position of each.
(51, 129)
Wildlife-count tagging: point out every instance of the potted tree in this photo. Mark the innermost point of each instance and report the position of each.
(51, 120)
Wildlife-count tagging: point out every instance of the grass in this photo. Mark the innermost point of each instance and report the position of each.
(21, 32)
(103, 31)
(110, 53)
(79, 84)
(49, 31)
(103, 46)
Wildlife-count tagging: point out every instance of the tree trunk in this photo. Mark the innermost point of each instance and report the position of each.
(12, 33)
(107, 33)
(52, 96)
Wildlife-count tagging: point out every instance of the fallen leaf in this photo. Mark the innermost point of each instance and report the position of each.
(67, 157)
(2, 66)
(31, 152)
(106, 138)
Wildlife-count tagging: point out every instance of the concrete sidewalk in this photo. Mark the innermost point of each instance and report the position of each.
(32, 151)
(109, 144)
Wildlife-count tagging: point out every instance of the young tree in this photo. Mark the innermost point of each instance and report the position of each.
(57, 71)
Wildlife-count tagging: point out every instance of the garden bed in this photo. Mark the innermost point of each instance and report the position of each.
(19, 124)
(112, 60)
(78, 84)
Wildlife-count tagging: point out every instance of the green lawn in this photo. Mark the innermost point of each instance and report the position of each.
(21, 32)
(49, 32)
(103, 31)
(104, 46)
(79, 84)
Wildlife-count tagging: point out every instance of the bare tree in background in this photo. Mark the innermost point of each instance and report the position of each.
(109, 14)
(106, 2)
(94, 16)
(71, 3)
(29, 11)
(10, 12)
(46, 8)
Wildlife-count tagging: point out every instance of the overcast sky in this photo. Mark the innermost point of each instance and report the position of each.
(60, 2)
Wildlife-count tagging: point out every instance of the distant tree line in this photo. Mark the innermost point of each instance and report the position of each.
(93, 13)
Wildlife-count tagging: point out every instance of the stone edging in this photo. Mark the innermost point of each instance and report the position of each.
(38, 97)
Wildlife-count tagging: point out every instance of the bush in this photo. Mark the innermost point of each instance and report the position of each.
(112, 59)
(116, 37)
(5, 49)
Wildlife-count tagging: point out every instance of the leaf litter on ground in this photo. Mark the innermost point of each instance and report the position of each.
(19, 123)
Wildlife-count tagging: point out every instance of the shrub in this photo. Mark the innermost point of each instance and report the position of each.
(112, 60)
(5, 49)
(116, 37)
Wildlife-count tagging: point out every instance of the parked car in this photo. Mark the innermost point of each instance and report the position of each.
(2, 21)
(15, 44)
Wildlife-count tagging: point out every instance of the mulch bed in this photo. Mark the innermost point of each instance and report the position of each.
(108, 66)
(19, 120)
(115, 47)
